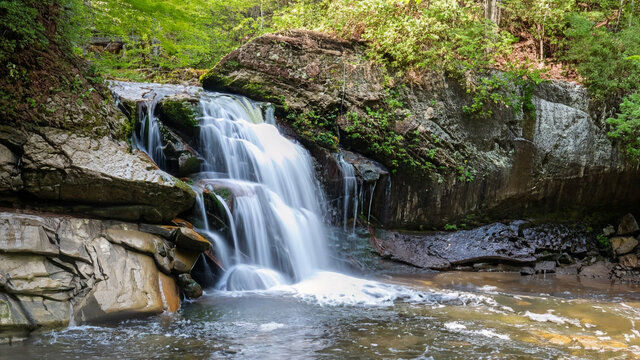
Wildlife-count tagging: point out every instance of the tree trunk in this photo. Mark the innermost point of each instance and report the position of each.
(492, 10)
(619, 13)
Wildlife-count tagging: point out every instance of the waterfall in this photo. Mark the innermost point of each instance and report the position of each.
(278, 235)
(351, 194)
(354, 194)
(149, 139)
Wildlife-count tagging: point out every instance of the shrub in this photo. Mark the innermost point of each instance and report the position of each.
(626, 127)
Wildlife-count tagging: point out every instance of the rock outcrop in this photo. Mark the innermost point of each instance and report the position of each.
(507, 165)
(517, 243)
(58, 270)
(56, 170)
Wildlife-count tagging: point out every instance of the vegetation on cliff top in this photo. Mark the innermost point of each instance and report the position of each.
(593, 41)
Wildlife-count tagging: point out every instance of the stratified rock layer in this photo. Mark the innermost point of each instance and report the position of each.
(57, 269)
(94, 176)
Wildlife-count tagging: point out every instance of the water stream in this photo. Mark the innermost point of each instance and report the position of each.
(281, 296)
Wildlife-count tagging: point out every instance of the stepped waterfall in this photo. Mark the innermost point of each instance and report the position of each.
(278, 236)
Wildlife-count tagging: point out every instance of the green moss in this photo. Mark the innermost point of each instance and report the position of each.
(374, 133)
(183, 186)
(179, 114)
(126, 129)
(224, 193)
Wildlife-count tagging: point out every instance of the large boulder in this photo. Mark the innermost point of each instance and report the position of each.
(445, 164)
(516, 242)
(96, 176)
(54, 269)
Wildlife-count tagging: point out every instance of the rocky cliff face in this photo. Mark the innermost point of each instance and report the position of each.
(59, 270)
(62, 154)
(446, 165)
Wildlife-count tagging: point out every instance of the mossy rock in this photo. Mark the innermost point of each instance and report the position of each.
(179, 114)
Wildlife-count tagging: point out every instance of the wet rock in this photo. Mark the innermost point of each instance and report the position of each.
(527, 271)
(188, 239)
(180, 114)
(164, 231)
(623, 245)
(565, 259)
(609, 230)
(598, 270)
(188, 164)
(545, 267)
(170, 293)
(594, 343)
(136, 240)
(190, 287)
(10, 179)
(129, 285)
(628, 225)
(516, 242)
(107, 270)
(520, 166)
(184, 260)
(629, 261)
(555, 339)
(568, 270)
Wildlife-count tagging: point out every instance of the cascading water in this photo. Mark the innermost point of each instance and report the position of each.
(279, 236)
(355, 194)
(350, 183)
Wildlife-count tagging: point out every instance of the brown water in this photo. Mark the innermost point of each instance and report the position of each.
(439, 316)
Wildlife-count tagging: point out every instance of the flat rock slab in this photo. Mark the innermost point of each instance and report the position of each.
(101, 172)
(513, 242)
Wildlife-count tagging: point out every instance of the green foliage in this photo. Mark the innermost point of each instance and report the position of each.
(318, 128)
(626, 126)
(19, 27)
(376, 131)
(544, 20)
(168, 34)
(604, 58)
(512, 89)
(466, 173)
(603, 241)
(423, 35)
(450, 227)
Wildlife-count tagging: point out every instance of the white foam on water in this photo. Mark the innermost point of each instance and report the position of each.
(458, 327)
(491, 334)
(454, 325)
(270, 326)
(550, 317)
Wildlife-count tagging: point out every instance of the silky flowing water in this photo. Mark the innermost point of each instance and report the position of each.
(285, 295)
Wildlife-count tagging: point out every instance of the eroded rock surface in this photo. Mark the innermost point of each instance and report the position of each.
(54, 269)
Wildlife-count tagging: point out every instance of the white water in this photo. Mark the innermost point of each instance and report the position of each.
(354, 194)
(277, 239)
(350, 198)
(277, 233)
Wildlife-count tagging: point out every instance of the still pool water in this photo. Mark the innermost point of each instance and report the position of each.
(440, 316)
